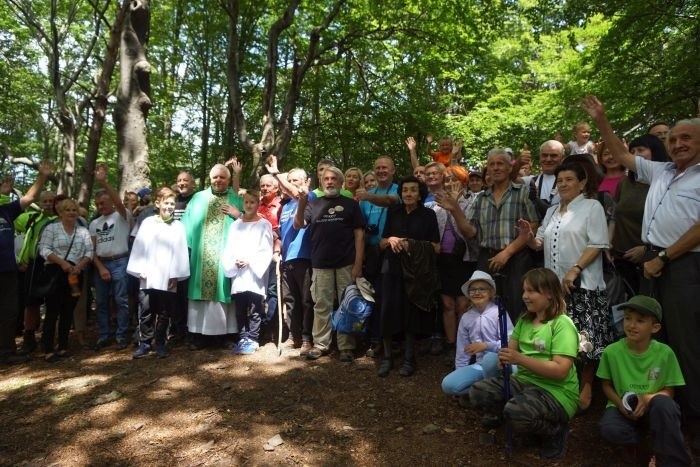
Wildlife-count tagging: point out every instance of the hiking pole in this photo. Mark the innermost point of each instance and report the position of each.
(503, 329)
(279, 307)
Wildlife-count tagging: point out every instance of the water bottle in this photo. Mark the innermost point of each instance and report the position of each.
(74, 285)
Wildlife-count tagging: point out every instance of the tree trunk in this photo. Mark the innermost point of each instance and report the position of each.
(87, 176)
(133, 99)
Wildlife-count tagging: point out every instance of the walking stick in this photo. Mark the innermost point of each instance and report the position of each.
(279, 308)
(503, 329)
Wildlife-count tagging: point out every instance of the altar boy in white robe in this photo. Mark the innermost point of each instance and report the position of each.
(246, 260)
(159, 258)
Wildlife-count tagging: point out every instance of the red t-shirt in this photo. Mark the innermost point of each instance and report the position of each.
(270, 210)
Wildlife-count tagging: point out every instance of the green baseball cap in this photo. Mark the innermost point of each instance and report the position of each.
(645, 305)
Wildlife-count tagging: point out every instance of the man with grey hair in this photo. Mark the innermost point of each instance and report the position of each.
(207, 218)
(495, 215)
(270, 206)
(543, 187)
(336, 230)
(671, 232)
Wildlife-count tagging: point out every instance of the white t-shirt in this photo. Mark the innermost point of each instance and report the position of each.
(111, 234)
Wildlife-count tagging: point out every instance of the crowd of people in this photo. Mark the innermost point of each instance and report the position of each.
(501, 268)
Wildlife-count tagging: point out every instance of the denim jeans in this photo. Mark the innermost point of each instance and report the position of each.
(459, 381)
(117, 288)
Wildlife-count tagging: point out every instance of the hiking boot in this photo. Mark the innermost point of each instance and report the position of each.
(408, 367)
(346, 356)
(384, 367)
(162, 351)
(122, 344)
(554, 447)
(304, 349)
(315, 353)
(143, 350)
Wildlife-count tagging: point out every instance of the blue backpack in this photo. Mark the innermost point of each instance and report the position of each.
(352, 313)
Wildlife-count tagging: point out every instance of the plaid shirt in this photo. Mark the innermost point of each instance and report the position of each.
(55, 240)
(496, 224)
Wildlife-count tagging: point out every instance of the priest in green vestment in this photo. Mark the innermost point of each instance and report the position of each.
(207, 218)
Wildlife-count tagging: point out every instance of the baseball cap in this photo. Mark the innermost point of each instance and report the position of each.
(645, 305)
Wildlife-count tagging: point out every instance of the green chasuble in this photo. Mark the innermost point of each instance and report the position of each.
(207, 228)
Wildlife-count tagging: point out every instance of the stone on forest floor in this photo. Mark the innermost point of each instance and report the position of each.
(430, 428)
(273, 442)
(107, 398)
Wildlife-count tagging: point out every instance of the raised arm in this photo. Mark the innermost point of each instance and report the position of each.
(595, 109)
(411, 144)
(272, 169)
(44, 172)
(101, 179)
(236, 167)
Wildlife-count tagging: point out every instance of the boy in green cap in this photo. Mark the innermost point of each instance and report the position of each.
(638, 375)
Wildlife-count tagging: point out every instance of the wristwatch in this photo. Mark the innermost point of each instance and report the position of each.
(664, 257)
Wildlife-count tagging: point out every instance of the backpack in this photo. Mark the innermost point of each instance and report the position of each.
(352, 313)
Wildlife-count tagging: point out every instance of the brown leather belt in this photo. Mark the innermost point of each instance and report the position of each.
(113, 258)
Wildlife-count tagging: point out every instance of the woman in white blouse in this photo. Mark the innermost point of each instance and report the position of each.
(574, 234)
(67, 248)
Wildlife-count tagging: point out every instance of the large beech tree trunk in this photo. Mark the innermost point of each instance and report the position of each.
(87, 176)
(133, 98)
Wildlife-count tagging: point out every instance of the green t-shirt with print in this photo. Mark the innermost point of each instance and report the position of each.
(555, 337)
(644, 373)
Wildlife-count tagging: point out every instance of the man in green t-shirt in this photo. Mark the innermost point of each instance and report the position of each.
(639, 375)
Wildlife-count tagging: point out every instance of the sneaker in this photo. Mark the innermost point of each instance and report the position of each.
(346, 356)
(246, 346)
(555, 446)
(143, 350)
(315, 353)
(122, 344)
(305, 347)
(162, 351)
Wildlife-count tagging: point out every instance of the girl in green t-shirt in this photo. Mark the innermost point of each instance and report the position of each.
(544, 344)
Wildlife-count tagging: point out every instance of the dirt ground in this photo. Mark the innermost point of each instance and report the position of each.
(209, 407)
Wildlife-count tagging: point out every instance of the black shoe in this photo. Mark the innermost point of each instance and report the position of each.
(436, 346)
(101, 344)
(407, 368)
(52, 358)
(375, 351)
(15, 359)
(491, 421)
(28, 343)
(555, 446)
(384, 367)
(122, 344)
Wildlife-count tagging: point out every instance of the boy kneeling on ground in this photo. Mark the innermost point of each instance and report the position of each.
(638, 375)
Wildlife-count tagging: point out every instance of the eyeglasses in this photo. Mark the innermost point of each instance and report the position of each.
(477, 291)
